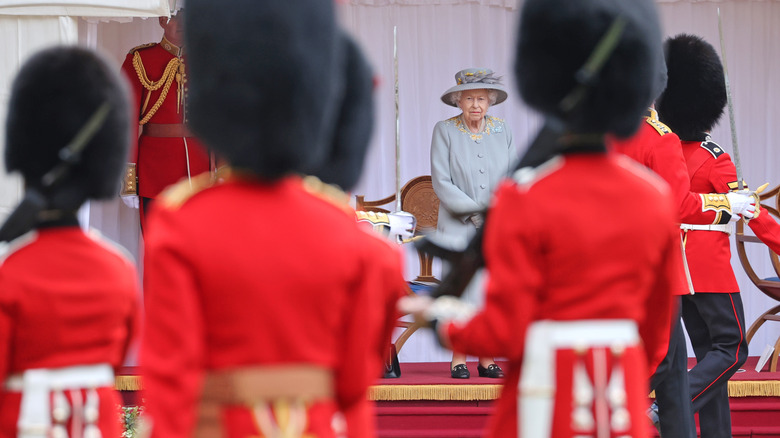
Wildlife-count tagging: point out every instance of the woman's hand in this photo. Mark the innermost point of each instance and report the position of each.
(477, 219)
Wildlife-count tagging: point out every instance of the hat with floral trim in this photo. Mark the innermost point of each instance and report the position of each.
(475, 79)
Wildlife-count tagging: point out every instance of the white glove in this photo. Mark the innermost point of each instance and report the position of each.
(742, 203)
(131, 201)
(444, 308)
(402, 225)
(477, 219)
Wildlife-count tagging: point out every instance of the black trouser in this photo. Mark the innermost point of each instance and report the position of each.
(716, 325)
(145, 204)
(675, 413)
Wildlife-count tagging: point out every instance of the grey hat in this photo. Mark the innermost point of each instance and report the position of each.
(475, 79)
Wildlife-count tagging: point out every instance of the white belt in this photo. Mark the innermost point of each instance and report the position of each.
(723, 228)
(537, 384)
(37, 384)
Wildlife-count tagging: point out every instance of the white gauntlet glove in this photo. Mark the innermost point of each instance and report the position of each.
(402, 225)
(131, 201)
(742, 203)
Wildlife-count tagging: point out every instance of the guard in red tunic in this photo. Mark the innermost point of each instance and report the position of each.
(658, 148)
(691, 105)
(341, 171)
(165, 151)
(69, 300)
(578, 301)
(269, 308)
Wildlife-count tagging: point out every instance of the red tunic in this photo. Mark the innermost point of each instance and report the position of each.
(160, 161)
(251, 274)
(660, 150)
(709, 252)
(607, 247)
(655, 146)
(66, 299)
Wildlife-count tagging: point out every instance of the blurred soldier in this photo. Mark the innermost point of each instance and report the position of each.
(341, 170)
(269, 308)
(68, 299)
(691, 105)
(166, 150)
(572, 290)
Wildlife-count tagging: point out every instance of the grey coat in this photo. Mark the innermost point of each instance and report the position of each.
(465, 168)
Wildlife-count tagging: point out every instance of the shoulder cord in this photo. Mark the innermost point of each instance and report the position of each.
(172, 71)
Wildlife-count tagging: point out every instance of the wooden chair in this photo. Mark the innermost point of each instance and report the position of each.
(769, 286)
(419, 199)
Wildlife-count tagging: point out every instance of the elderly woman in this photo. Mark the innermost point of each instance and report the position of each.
(470, 153)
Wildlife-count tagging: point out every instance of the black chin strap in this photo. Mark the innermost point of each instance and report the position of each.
(27, 214)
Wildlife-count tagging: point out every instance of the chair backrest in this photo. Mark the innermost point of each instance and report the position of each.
(770, 203)
(419, 199)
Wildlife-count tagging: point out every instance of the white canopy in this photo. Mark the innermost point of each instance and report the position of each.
(86, 8)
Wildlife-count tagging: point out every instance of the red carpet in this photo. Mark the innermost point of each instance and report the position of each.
(435, 405)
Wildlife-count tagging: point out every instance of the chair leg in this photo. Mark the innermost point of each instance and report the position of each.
(399, 343)
(773, 362)
(760, 321)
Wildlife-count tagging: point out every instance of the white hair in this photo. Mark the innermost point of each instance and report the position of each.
(492, 96)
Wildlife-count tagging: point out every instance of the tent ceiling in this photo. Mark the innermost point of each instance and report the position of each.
(86, 8)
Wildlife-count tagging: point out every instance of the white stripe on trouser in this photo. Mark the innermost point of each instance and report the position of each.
(35, 410)
(537, 383)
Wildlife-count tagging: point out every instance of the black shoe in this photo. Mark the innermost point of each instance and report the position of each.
(493, 371)
(460, 372)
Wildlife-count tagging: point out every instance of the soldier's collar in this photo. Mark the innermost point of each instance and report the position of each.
(652, 113)
(171, 48)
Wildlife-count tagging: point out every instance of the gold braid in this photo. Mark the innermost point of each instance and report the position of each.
(165, 82)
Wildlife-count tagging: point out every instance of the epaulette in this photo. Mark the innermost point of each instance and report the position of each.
(658, 125)
(527, 176)
(327, 192)
(176, 195)
(142, 46)
(712, 148)
(8, 248)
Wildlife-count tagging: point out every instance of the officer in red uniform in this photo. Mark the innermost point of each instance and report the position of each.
(691, 105)
(166, 150)
(69, 299)
(269, 307)
(569, 294)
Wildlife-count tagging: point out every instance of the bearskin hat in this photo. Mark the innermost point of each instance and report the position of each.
(695, 94)
(556, 38)
(344, 162)
(265, 80)
(661, 77)
(52, 97)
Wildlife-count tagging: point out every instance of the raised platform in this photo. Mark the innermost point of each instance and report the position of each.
(426, 403)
